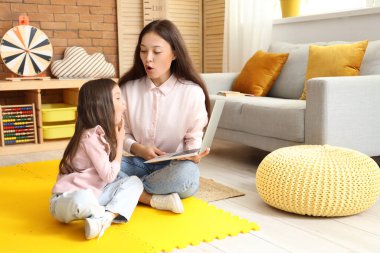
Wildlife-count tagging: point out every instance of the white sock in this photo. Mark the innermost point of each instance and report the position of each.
(108, 217)
(95, 227)
(107, 220)
(170, 202)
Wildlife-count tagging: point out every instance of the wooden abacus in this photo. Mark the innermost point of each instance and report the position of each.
(17, 124)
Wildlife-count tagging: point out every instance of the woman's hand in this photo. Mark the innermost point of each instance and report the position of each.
(197, 158)
(146, 152)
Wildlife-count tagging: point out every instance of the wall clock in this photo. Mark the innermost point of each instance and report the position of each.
(26, 50)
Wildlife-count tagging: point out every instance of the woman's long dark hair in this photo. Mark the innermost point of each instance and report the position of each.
(95, 107)
(182, 67)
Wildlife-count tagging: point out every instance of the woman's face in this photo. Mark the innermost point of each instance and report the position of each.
(118, 104)
(157, 56)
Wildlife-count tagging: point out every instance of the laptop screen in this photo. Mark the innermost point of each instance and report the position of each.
(212, 124)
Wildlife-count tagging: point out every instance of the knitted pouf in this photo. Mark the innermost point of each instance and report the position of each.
(318, 180)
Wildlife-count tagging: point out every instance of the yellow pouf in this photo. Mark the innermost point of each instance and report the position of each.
(318, 180)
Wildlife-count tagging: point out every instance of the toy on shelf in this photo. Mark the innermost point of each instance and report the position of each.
(17, 124)
(77, 63)
(26, 51)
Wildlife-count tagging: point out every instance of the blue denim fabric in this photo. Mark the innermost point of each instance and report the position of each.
(165, 177)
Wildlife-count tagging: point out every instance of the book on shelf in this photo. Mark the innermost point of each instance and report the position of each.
(230, 93)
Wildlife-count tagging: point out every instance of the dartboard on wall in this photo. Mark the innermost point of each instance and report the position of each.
(26, 50)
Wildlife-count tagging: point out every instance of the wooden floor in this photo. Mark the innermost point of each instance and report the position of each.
(235, 165)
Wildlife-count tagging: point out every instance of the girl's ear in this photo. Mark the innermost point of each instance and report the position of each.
(174, 56)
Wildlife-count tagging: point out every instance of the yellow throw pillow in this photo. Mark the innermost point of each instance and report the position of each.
(335, 60)
(259, 73)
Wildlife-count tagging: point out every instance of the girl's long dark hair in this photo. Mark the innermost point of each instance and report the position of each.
(95, 107)
(182, 67)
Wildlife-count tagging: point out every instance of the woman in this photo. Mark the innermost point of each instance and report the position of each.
(168, 108)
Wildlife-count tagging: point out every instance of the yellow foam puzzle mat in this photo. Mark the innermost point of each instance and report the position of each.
(27, 226)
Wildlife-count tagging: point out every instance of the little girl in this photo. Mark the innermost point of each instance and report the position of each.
(87, 185)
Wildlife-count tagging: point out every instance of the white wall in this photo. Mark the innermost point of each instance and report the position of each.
(348, 26)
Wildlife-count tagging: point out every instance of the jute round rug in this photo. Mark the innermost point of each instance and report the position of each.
(209, 190)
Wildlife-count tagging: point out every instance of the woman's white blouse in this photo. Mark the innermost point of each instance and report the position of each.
(171, 117)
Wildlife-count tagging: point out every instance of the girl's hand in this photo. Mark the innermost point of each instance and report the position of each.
(197, 158)
(146, 152)
(120, 133)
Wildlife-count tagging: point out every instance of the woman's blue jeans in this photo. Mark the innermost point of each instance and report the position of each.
(180, 176)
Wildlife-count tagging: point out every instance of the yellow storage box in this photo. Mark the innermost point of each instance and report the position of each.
(58, 112)
(58, 131)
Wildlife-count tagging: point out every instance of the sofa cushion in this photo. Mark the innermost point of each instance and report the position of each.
(259, 73)
(334, 60)
(371, 61)
(290, 82)
(264, 116)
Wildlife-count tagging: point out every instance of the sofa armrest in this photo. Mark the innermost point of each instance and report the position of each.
(344, 111)
(218, 81)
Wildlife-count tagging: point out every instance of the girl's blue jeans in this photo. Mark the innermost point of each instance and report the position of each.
(180, 176)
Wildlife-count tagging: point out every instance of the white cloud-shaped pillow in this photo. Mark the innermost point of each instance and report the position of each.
(77, 63)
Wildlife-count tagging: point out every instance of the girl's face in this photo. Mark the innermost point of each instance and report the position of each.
(157, 56)
(118, 104)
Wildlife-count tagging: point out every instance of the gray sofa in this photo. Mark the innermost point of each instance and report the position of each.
(340, 111)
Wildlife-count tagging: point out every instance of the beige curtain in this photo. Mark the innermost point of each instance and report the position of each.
(247, 28)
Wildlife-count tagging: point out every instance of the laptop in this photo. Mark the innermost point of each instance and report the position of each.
(207, 138)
